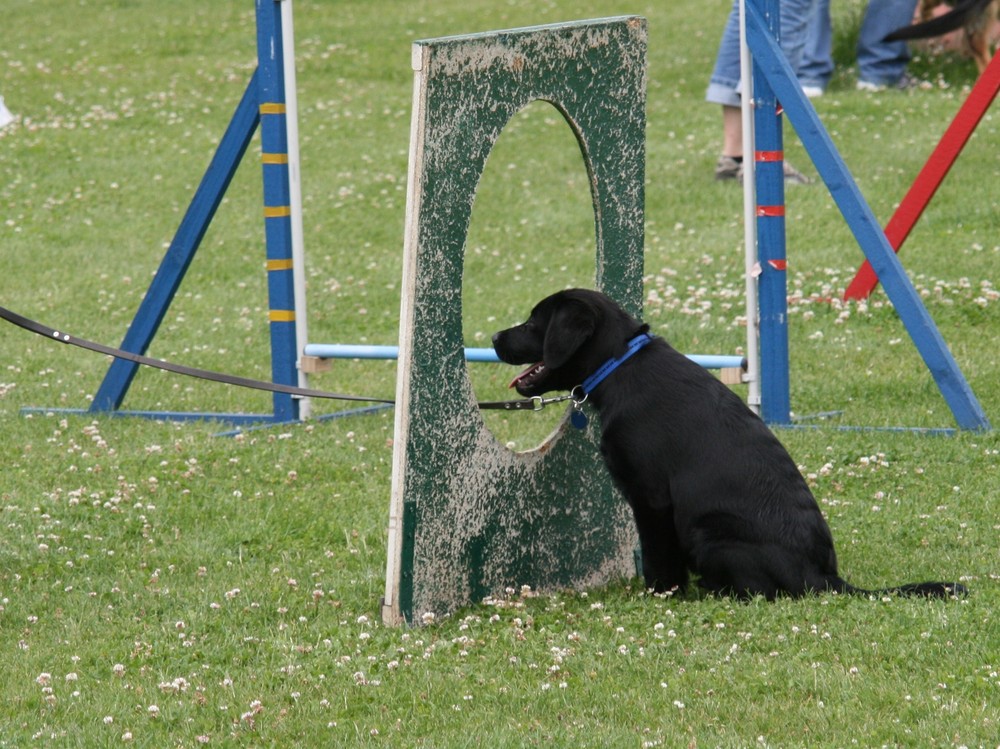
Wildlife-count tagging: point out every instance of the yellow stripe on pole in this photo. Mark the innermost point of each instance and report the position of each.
(277, 211)
(274, 158)
(272, 108)
(281, 264)
(281, 315)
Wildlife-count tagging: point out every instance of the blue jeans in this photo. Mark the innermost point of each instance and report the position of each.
(796, 17)
(880, 63)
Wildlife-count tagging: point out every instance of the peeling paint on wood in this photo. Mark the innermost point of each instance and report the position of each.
(469, 517)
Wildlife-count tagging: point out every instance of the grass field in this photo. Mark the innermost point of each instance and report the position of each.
(165, 587)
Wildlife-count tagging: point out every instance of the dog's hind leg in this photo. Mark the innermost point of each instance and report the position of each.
(979, 47)
(748, 569)
(736, 570)
(664, 564)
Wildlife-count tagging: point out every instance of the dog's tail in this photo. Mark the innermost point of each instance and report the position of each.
(925, 590)
(953, 19)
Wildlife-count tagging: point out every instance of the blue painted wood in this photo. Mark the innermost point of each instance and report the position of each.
(961, 400)
(772, 287)
(179, 255)
(262, 103)
(277, 207)
(246, 419)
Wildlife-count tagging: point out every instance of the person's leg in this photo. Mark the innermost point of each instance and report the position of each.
(817, 57)
(796, 18)
(883, 64)
(723, 88)
(724, 83)
(730, 163)
(732, 131)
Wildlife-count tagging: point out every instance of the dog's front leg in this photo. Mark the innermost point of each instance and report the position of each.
(664, 565)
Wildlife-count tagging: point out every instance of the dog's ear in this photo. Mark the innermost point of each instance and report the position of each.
(570, 326)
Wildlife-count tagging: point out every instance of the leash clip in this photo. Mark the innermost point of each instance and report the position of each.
(577, 417)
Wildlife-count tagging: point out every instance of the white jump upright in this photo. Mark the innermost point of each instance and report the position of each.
(295, 201)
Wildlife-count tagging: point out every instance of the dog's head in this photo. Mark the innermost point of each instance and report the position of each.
(567, 337)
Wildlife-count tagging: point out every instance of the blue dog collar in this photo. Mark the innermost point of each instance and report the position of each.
(612, 364)
(579, 394)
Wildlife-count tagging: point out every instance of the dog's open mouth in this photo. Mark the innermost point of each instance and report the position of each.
(529, 377)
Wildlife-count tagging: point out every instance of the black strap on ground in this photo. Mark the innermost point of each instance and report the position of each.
(528, 404)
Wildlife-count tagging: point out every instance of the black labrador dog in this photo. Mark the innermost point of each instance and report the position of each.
(712, 490)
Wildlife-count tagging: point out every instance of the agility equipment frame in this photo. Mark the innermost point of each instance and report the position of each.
(269, 102)
(774, 82)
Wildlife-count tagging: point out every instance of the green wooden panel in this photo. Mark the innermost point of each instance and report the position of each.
(468, 516)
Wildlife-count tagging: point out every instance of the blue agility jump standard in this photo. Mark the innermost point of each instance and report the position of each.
(773, 69)
(263, 104)
(772, 285)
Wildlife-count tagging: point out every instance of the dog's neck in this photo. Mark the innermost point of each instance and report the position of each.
(611, 365)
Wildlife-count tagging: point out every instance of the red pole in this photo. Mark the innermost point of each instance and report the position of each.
(933, 173)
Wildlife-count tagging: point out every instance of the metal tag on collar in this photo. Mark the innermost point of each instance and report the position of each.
(577, 417)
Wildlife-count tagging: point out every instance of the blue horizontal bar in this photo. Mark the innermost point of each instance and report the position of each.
(359, 351)
(229, 418)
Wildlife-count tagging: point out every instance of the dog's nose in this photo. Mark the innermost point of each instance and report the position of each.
(496, 337)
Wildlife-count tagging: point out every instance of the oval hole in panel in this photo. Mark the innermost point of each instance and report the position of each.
(531, 234)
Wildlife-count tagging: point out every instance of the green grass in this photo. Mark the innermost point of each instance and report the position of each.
(233, 584)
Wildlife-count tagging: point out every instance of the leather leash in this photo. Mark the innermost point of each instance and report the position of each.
(526, 404)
